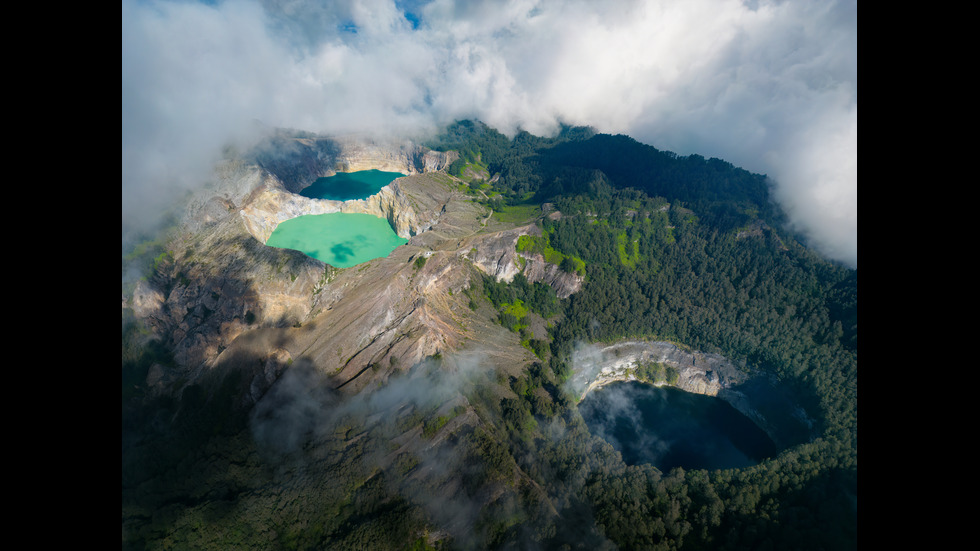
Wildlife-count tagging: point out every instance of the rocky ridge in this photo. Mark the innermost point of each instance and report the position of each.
(222, 294)
(498, 256)
(698, 372)
(272, 205)
(298, 161)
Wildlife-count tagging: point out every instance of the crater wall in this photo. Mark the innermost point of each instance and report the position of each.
(758, 398)
(297, 162)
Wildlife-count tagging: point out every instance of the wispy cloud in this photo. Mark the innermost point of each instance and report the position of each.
(768, 85)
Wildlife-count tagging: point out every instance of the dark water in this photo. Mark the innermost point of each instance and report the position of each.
(671, 428)
(346, 186)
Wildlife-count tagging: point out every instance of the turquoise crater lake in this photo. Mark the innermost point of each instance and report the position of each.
(340, 239)
(346, 186)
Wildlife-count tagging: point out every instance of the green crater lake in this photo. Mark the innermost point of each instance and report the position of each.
(340, 239)
(346, 186)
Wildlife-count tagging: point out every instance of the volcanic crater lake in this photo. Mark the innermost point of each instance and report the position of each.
(668, 427)
(340, 239)
(345, 186)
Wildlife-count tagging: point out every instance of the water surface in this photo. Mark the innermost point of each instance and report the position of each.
(669, 427)
(346, 186)
(340, 239)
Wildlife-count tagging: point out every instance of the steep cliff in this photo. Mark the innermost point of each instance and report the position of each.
(756, 396)
(298, 161)
(221, 293)
(496, 254)
(595, 366)
(272, 204)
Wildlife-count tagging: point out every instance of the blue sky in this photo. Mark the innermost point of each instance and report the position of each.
(767, 85)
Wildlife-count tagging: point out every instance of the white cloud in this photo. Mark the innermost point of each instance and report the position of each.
(770, 85)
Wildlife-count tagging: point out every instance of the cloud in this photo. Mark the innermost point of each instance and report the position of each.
(300, 415)
(614, 413)
(304, 403)
(767, 85)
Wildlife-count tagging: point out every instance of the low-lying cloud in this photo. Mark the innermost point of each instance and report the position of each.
(767, 85)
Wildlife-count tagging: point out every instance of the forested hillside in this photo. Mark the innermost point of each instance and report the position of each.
(692, 250)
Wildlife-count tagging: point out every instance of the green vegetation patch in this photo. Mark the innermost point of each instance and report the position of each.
(517, 309)
(432, 424)
(571, 264)
(655, 372)
(520, 213)
(512, 316)
(516, 300)
(623, 242)
(532, 244)
(469, 167)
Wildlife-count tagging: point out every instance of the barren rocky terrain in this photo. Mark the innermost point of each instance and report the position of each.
(223, 292)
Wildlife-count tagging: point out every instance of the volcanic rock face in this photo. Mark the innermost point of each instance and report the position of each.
(497, 255)
(537, 269)
(272, 205)
(700, 373)
(298, 162)
(223, 294)
(290, 165)
(219, 283)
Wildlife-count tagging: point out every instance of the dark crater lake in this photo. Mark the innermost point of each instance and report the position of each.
(668, 427)
(347, 186)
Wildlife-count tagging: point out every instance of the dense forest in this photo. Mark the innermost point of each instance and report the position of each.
(684, 249)
(692, 250)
